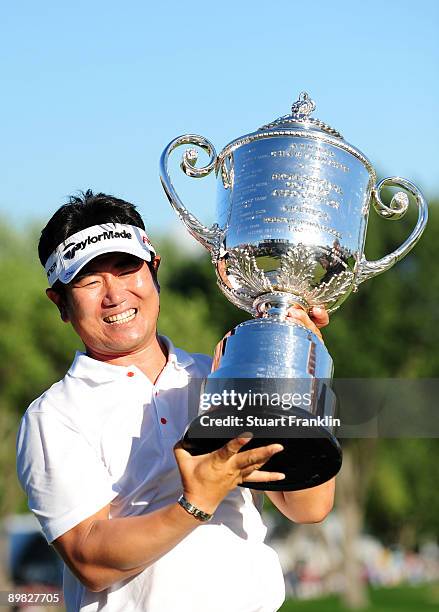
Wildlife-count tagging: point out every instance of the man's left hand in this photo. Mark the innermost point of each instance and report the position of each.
(317, 318)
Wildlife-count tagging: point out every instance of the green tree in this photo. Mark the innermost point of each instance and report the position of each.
(389, 328)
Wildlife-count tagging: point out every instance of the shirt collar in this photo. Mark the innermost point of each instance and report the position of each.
(177, 357)
(88, 368)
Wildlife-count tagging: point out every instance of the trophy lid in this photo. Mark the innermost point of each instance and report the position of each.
(297, 123)
(300, 118)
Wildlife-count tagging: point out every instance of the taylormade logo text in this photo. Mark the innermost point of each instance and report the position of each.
(79, 246)
(51, 269)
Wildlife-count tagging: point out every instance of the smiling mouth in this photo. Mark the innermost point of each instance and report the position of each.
(123, 317)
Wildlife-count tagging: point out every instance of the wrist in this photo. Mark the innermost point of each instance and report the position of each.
(206, 505)
(193, 510)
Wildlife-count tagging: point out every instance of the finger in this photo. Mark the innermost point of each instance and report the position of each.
(233, 446)
(301, 317)
(258, 476)
(319, 316)
(256, 457)
(250, 470)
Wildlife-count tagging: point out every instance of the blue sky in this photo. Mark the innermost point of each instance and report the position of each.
(93, 91)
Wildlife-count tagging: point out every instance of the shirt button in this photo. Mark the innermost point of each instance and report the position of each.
(163, 421)
(130, 374)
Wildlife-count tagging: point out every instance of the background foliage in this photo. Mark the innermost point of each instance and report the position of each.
(388, 329)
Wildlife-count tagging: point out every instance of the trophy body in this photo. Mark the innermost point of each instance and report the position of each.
(292, 208)
(293, 220)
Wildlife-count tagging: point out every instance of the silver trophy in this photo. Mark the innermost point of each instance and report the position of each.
(292, 209)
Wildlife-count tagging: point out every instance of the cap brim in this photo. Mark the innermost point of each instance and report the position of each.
(69, 273)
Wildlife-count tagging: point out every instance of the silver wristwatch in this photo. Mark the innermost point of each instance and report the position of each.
(204, 517)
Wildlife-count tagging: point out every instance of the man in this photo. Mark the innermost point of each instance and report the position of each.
(139, 524)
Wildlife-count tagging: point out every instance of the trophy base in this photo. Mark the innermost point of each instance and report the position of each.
(305, 461)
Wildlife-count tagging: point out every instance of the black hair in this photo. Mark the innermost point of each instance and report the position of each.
(83, 211)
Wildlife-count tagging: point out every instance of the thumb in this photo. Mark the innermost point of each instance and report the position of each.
(180, 452)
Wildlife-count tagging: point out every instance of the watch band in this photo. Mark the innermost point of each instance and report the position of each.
(204, 517)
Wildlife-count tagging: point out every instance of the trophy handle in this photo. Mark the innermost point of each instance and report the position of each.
(397, 209)
(208, 236)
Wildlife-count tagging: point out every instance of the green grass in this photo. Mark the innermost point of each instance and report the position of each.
(405, 598)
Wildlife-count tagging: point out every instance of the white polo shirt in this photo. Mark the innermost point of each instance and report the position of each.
(105, 434)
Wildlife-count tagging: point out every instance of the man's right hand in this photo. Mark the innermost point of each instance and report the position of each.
(208, 478)
(101, 552)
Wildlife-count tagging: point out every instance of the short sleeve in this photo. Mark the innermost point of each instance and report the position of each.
(61, 473)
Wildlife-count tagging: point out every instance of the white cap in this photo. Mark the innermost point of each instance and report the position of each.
(73, 254)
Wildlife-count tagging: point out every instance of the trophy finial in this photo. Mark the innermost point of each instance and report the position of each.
(300, 118)
(303, 107)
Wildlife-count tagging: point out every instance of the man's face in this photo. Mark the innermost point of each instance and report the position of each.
(113, 305)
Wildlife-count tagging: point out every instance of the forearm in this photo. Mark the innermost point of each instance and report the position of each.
(115, 549)
(307, 505)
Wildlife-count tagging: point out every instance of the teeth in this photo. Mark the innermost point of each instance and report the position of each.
(123, 317)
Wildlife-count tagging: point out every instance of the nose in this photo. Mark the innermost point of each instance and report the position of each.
(113, 291)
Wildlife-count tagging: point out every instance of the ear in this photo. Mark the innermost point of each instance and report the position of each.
(156, 262)
(59, 302)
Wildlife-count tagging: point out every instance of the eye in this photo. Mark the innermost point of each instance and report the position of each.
(87, 281)
(131, 268)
